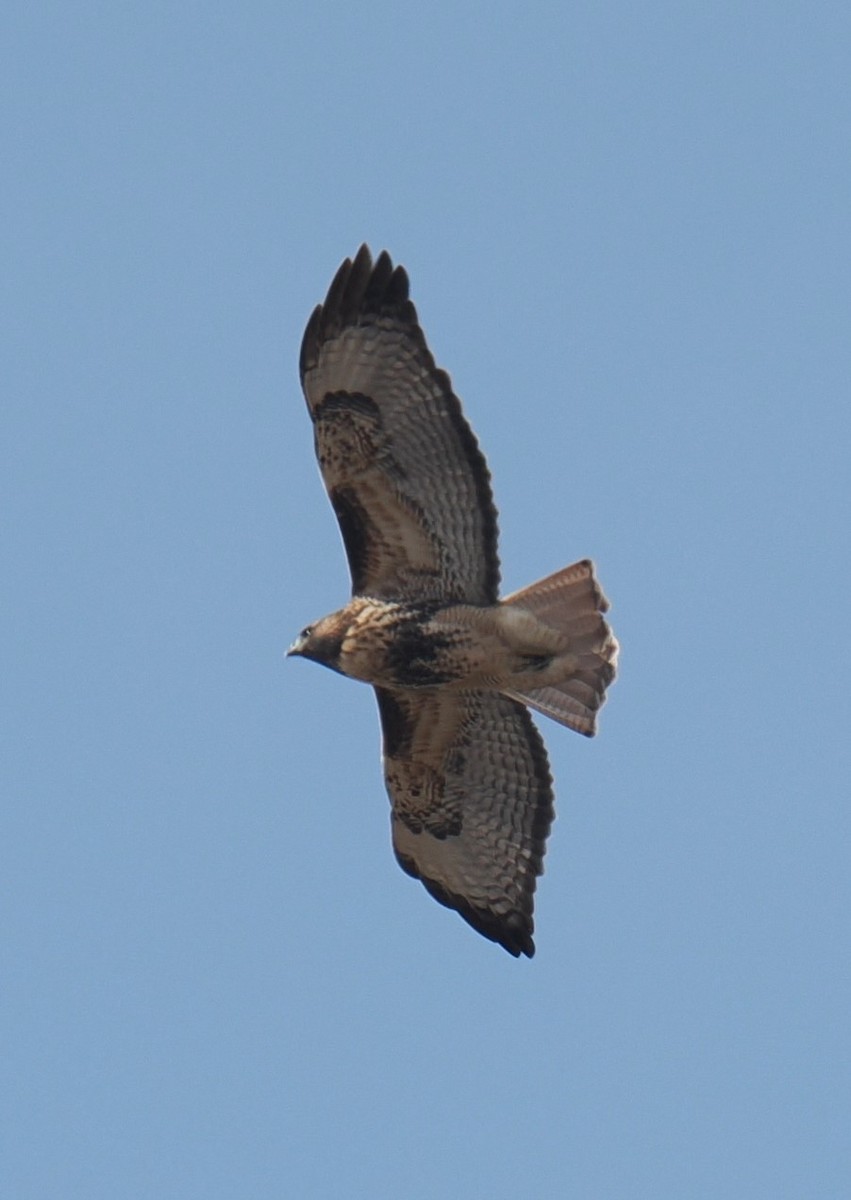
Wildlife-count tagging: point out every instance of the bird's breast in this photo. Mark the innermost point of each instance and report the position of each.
(391, 644)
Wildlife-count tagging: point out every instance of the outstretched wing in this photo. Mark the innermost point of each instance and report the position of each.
(403, 470)
(472, 804)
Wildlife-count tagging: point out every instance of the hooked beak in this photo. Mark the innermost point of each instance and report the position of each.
(297, 648)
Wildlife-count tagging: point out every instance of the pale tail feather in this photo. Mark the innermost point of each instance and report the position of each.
(573, 602)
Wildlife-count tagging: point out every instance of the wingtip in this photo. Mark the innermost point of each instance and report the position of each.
(512, 932)
(525, 949)
(360, 286)
(515, 936)
(363, 258)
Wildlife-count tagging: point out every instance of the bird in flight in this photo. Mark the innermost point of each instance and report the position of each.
(455, 669)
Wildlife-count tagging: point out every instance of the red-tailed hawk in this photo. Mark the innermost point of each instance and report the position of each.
(453, 666)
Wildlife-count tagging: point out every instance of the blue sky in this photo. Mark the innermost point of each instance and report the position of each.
(626, 228)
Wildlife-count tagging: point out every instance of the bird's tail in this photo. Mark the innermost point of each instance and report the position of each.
(572, 602)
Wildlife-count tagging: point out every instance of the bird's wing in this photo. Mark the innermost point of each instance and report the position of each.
(403, 469)
(472, 804)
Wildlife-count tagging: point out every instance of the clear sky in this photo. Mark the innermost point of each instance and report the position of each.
(626, 227)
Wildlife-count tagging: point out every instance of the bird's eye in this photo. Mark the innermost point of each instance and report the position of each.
(306, 632)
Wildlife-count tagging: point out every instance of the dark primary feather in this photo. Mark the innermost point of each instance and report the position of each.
(406, 478)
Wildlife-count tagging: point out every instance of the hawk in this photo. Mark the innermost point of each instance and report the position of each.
(455, 669)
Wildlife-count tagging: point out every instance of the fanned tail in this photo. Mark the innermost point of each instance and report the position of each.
(572, 602)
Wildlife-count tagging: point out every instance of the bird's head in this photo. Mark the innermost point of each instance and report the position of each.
(321, 642)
